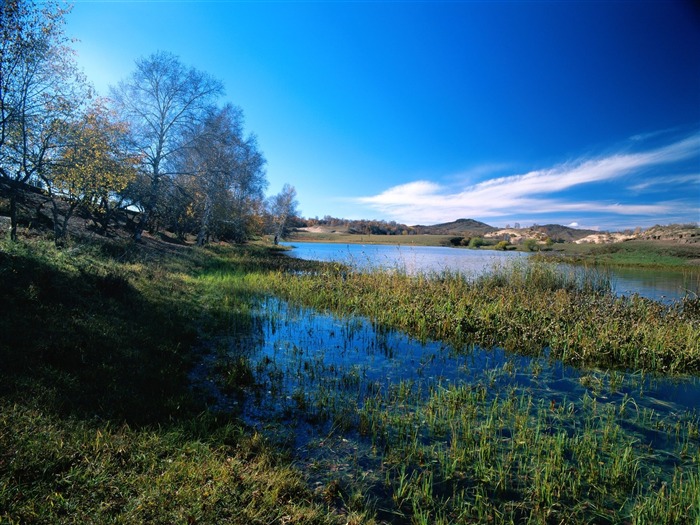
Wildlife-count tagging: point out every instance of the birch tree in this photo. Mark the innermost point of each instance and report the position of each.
(164, 101)
(223, 174)
(282, 207)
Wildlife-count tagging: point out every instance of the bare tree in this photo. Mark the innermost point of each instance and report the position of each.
(164, 101)
(211, 162)
(223, 175)
(40, 88)
(283, 207)
(247, 190)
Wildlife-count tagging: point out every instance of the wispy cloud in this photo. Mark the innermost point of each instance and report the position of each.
(662, 182)
(534, 192)
(652, 134)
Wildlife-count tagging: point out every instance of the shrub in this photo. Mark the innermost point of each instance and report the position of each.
(476, 242)
(530, 245)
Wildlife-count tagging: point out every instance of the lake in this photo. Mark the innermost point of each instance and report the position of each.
(660, 285)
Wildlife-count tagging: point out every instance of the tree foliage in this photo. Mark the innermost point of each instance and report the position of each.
(40, 87)
(174, 155)
(94, 165)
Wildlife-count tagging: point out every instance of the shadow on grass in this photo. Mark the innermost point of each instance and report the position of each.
(89, 344)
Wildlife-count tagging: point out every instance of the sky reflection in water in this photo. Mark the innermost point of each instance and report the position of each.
(310, 365)
(665, 286)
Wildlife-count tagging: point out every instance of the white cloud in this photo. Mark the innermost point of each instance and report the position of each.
(428, 202)
(573, 225)
(646, 136)
(657, 182)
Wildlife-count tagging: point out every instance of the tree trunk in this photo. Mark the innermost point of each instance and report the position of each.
(58, 233)
(204, 227)
(149, 209)
(13, 216)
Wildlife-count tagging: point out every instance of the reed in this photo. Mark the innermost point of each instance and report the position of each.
(528, 308)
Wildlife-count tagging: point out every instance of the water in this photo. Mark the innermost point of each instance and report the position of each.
(309, 347)
(411, 259)
(665, 286)
(660, 285)
(313, 374)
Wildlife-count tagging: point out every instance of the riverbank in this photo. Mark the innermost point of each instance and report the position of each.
(634, 253)
(100, 422)
(662, 254)
(356, 238)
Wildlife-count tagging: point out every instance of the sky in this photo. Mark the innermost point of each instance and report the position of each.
(421, 112)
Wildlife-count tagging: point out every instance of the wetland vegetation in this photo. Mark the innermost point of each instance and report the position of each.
(237, 385)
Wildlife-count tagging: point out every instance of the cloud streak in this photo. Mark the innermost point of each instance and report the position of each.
(538, 192)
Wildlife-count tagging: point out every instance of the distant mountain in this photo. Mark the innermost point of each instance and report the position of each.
(461, 227)
(467, 228)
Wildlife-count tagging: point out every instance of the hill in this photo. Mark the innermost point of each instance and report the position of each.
(541, 233)
(463, 227)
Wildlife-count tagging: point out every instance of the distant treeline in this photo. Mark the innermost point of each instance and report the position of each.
(363, 227)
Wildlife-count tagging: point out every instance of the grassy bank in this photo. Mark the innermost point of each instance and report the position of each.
(645, 254)
(98, 423)
(355, 238)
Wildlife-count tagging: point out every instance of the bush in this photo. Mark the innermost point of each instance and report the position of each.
(502, 245)
(530, 245)
(476, 242)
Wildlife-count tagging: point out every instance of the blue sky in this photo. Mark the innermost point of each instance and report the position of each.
(577, 113)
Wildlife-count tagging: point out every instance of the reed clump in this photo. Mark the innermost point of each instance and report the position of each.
(528, 308)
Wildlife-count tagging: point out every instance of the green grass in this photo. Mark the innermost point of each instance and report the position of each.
(58, 470)
(646, 254)
(97, 420)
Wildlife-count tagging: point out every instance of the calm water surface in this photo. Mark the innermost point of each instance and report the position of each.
(663, 286)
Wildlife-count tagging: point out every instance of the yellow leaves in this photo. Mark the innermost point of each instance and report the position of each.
(95, 161)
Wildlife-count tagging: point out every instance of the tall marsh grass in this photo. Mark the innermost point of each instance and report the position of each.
(527, 308)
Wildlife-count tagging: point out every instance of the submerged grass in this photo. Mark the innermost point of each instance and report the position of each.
(479, 453)
(468, 456)
(479, 445)
(527, 308)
